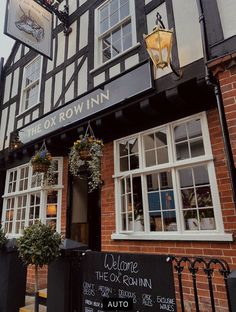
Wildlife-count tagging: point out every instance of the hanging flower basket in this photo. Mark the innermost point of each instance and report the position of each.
(40, 167)
(41, 161)
(86, 154)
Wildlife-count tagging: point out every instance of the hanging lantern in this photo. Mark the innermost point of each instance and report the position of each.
(159, 45)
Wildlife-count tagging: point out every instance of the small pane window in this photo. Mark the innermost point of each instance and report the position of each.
(158, 194)
(31, 80)
(115, 24)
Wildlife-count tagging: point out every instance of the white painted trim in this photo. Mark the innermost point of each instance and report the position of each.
(138, 44)
(175, 236)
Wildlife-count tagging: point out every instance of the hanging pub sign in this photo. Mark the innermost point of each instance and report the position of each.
(31, 24)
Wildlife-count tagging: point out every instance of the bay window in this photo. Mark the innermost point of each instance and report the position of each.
(28, 199)
(165, 183)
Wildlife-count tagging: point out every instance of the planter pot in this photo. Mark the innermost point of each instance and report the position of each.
(12, 279)
(40, 167)
(137, 225)
(192, 224)
(208, 224)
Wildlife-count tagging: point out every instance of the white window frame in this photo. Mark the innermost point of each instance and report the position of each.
(173, 165)
(24, 89)
(43, 190)
(97, 37)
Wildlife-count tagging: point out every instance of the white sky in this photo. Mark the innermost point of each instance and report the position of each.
(6, 42)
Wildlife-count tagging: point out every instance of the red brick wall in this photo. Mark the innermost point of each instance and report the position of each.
(223, 250)
(228, 88)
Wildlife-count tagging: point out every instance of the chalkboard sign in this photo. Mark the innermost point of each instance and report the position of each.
(147, 279)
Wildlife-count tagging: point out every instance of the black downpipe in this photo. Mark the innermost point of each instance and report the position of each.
(212, 81)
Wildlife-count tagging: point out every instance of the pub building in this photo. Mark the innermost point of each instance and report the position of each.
(169, 129)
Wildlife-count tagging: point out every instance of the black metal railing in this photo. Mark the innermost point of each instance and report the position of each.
(195, 266)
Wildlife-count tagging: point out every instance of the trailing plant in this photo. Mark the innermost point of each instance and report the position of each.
(3, 239)
(39, 246)
(88, 166)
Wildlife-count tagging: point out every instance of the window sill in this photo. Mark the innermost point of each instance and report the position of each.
(114, 58)
(207, 236)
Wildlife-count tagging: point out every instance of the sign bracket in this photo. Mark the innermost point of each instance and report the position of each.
(63, 16)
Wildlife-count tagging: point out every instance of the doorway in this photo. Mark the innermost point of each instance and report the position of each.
(85, 214)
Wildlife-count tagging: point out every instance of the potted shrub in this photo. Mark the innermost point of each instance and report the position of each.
(207, 219)
(41, 161)
(85, 160)
(3, 239)
(39, 246)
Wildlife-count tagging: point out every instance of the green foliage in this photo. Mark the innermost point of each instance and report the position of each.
(39, 245)
(43, 157)
(3, 239)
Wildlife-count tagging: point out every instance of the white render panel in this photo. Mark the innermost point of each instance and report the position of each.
(83, 38)
(47, 96)
(147, 1)
(99, 79)
(58, 86)
(3, 127)
(188, 37)
(82, 78)
(19, 123)
(27, 119)
(61, 48)
(69, 93)
(227, 10)
(69, 71)
(50, 63)
(81, 2)
(11, 120)
(35, 114)
(72, 6)
(151, 17)
(131, 61)
(18, 54)
(7, 88)
(114, 70)
(72, 40)
(26, 50)
(15, 82)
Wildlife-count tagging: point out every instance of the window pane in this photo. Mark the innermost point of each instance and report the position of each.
(150, 158)
(113, 6)
(162, 156)
(152, 182)
(114, 19)
(124, 165)
(161, 138)
(201, 175)
(116, 48)
(194, 128)
(188, 198)
(104, 12)
(104, 25)
(182, 151)
(133, 146)
(186, 178)
(123, 147)
(191, 220)
(204, 196)
(197, 148)
(124, 10)
(180, 133)
(126, 29)
(134, 162)
(106, 55)
(148, 141)
(127, 42)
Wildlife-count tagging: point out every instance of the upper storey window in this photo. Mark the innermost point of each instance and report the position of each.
(115, 28)
(31, 84)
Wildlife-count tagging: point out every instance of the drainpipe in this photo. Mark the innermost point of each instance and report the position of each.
(213, 82)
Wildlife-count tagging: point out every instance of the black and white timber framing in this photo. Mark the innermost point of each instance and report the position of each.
(73, 72)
